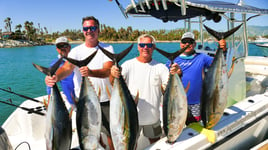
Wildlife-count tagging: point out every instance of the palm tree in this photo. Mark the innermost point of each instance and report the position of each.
(8, 24)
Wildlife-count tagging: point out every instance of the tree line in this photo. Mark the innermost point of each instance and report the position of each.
(37, 33)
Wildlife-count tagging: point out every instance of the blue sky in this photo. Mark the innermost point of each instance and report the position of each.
(58, 15)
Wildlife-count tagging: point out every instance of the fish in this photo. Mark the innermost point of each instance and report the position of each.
(124, 123)
(88, 111)
(4, 140)
(58, 122)
(215, 84)
(174, 102)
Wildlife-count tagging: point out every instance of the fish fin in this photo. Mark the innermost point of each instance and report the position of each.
(171, 56)
(71, 111)
(99, 92)
(222, 35)
(46, 101)
(136, 100)
(108, 91)
(81, 63)
(210, 134)
(232, 67)
(162, 89)
(73, 98)
(51, 70)
(187, 87)
(116, 57)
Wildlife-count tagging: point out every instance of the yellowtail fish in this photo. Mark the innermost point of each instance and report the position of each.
(58, 122)
(215, 85)
(174, 102)
(124, 124)
(88, 115)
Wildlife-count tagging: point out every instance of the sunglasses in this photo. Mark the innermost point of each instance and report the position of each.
(149, 45)
(184, 41)
(91, 28)
(60, 46)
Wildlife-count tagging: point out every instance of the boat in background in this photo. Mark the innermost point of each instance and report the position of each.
(262, 45)
(261, 39)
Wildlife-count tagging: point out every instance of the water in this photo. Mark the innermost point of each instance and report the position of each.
(18, 73)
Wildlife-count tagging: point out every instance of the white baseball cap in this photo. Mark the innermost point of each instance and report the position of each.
(62, 39)
(188, 35)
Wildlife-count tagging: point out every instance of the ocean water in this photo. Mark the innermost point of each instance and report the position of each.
(18, 73)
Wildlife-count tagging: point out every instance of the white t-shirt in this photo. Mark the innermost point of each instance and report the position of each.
(80, 53)
(146, 78)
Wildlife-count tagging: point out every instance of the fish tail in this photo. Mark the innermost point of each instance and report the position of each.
(81, 63)
(222, 35)
(49, 71)
(116, 57)
(171, 56)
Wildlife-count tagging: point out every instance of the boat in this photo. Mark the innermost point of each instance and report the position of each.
(260, 39)
(262, 45)
(245, 119)
(244, 124)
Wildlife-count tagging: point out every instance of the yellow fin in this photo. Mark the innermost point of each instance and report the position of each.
(108, 92)
(210, 134)
(71, 111)
(136, 100)
(46, 101)
(187, 88)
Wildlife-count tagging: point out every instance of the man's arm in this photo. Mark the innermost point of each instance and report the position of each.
(99, 73)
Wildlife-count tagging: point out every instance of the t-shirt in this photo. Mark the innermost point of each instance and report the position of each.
(146, 78)
(192, 73)
(81, 52)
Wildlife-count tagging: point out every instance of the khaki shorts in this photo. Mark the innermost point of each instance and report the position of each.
(152, 131)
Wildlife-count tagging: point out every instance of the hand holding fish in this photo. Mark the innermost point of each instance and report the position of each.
(51, 80)
(222, 44)
(85, 71)
(115, 71)
(175, 68)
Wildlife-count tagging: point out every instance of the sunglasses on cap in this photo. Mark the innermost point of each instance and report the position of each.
(184, 41)
(91, 28)
(149, 45)
(60, 46)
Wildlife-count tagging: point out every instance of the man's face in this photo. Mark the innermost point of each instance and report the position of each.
(63, 49)
(90, 30)
(146, 47)
(189, 42)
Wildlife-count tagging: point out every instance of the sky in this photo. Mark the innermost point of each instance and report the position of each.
(59, 15)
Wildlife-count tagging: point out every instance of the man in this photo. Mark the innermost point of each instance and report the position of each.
(145, 76)
(98, 70)
(192, 65)
(63, 48)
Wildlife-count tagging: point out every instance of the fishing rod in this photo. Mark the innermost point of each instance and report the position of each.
(23, 96)
(30, 110)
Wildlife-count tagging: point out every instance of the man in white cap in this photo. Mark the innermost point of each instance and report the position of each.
(63, 48)
(192, 65)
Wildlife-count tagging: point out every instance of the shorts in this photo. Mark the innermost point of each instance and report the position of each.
(105, 115)
(194, 109)
(193, 113)
(152, 131)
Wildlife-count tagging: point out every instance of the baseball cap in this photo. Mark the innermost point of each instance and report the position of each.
(62, 39)
(188, 35)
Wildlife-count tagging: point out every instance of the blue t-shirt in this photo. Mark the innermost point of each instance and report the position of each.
(67, 85)
(192, 69)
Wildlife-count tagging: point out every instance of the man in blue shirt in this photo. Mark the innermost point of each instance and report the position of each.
(63, 48)
(192, 65)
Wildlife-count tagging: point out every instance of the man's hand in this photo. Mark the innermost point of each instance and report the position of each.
(115, 71)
